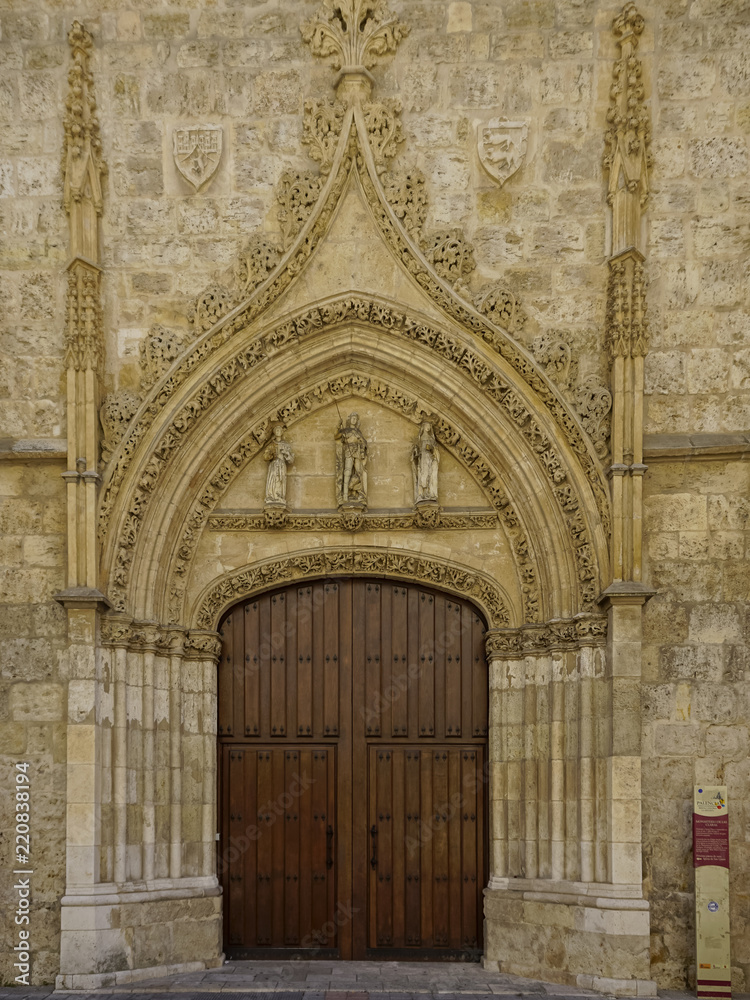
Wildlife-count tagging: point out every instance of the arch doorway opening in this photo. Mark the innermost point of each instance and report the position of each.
(353, 773)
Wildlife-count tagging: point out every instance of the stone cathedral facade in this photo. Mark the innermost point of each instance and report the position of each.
(441, 301)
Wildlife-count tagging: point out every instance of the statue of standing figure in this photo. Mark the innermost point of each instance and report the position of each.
(279, 455)
(351, 459)
(425, 460)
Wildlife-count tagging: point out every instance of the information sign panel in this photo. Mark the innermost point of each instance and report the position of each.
(711, 860)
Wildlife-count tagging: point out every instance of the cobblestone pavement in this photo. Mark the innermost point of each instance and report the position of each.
(334, 981)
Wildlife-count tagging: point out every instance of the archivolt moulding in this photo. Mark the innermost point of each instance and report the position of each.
(328, 316)
(333, 562)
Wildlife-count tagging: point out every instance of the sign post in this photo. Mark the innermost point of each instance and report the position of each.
(711, 861)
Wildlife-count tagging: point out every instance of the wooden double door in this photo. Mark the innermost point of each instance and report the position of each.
(353, 778)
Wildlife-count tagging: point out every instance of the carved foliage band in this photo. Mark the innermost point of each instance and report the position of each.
(343, 562)
(314, 521)
(118, 630)
(559, 634)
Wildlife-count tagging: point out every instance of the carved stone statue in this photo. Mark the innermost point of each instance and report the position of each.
(351, 459)
(425, 460)
(279, 455)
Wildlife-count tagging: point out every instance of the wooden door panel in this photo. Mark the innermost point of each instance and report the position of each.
(277, 848)
(391, 681)
(426, 808)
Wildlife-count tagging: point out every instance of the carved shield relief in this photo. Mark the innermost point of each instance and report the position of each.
(502, 147)
(197, 151)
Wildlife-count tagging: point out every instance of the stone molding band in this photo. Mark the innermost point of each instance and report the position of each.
(302, 520)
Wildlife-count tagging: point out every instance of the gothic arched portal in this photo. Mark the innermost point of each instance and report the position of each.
(353, 772)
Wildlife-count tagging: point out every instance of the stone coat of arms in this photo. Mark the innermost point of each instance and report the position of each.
(197, 151)
(502, 147)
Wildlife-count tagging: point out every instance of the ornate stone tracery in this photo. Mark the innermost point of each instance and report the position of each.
(449, 349)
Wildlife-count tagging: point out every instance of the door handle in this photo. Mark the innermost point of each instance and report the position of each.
(329, 847)
(374, 839)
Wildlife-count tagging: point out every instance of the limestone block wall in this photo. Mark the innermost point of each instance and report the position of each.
(33, 696)
(695, 695)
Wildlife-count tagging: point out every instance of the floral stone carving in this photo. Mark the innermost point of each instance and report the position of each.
(594, 402)
(296, 194)
(450, 254)
(352, 33)
(115, 413)
(405, 192)
(321, 131)
(553, 352)
(255, 264)
(211, 305)
(344, 562)
(384, 130)
(501, 307)
(159, 349)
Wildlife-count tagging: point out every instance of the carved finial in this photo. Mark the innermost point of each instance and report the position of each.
(82, 150)
(627, 155)
(628, 22)
(353, 34)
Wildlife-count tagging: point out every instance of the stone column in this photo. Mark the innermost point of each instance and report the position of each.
(564, 898)
(142, 889)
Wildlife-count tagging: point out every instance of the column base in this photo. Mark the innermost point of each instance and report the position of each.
(112, 934)
(585, 934)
